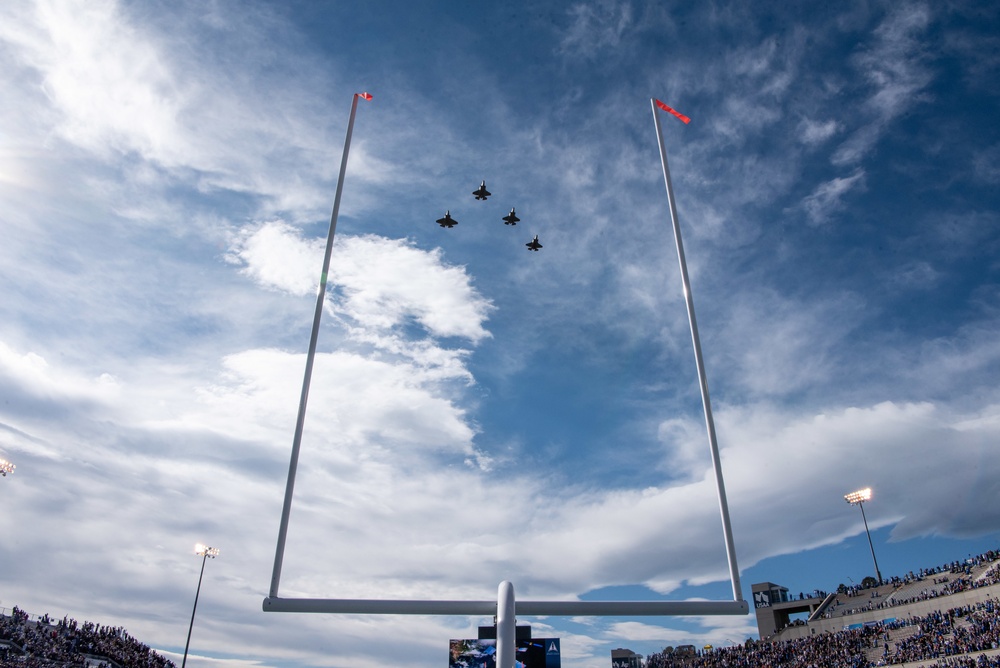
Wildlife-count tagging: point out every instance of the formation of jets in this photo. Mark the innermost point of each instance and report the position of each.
(481, 193)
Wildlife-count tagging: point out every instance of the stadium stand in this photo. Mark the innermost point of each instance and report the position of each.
(28, 641)
(942, 617)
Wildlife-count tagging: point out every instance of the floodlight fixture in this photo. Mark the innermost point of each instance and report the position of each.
(205, 552)
(858, 499)
(859, 496)
(6, 467)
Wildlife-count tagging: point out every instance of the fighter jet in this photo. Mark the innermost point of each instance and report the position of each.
(533, 245)
(447, 221)
(511, 218)
(482, 193)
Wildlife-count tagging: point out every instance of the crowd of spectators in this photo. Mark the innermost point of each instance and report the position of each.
(947, 579)
(959, 631)
(950, 637)
(845, 649)
(43, 644)
(981, 661)
(952, 567)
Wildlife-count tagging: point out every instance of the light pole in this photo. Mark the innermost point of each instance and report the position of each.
(6, 467)
(858, 498)
(205, 553)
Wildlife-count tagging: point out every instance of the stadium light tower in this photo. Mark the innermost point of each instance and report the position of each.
(6, 467)
(205, 552)
(858, 498)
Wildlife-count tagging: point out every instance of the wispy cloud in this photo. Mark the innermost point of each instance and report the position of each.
(122, 88)
(894, 65)
(986, 164)
(596, 27)
(165, 179)
(828, 197)
(816, 132)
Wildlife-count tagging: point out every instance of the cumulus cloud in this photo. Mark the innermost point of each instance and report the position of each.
(379, 283)
(163, 175)
(275, 256)
(358, 399)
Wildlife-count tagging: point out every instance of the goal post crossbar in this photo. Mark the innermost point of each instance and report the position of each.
(528, 608)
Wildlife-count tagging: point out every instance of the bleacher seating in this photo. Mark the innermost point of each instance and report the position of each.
(961, 631)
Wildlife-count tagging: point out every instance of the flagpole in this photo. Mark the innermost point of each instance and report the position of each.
(286, 509)
(727, 530)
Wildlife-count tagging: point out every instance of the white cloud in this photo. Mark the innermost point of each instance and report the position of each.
(894, 64)
(31, 382)
(275, 256)
(349, 465)
(816, 132)
(715, 631)
(378, 521)
(380, 283)
(775, 345)
(122, 88)
(827, 198)
(149, 389)
(986, 164)
(359, 399)
(596, 27)
(109, 80)
(895, 67)
(683, 442)
(918, 274)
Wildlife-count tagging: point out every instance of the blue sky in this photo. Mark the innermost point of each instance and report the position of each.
(480, 413)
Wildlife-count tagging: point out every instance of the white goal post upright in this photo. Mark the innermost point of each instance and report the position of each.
(713, 444)
(286, 509)
(505, 608)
